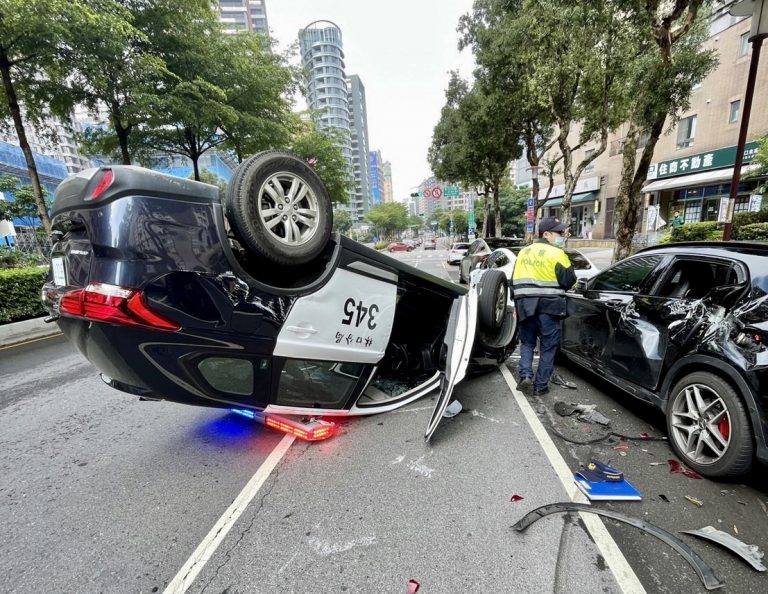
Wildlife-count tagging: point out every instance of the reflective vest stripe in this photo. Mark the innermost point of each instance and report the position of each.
(533, 281)
(537, 291)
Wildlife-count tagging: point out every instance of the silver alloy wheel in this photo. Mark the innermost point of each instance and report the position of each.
(501, 305)
(701, 424)
(288, 209)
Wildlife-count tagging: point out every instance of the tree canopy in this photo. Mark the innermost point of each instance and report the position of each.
(388, 219)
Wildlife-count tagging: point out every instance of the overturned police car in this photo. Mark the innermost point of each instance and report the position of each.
(253, 304)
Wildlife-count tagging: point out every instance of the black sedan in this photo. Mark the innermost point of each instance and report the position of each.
(253, 304)
(685, 328)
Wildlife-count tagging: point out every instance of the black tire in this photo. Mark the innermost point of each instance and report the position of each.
(686, 434)
(492, 300)
(462, 280)
(302, 232)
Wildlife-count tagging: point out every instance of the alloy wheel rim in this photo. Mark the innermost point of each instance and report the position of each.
(701, 424)
(288, 209)
(501, 304)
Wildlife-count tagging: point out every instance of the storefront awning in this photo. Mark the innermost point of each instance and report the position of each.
(694, 179)
(575, 199)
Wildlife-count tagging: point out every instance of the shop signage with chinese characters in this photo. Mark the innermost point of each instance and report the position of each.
(716, 159)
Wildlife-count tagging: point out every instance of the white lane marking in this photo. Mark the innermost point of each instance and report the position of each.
(614, 558)
(214, 538)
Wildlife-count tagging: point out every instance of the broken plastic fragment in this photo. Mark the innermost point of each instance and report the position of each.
(559, 380)
(515, 498)
(676, 468)
(696, 502)
(644, 435)
(413, 587)
(750, 553)
(663, 497)
(595, 417)
(452, 409)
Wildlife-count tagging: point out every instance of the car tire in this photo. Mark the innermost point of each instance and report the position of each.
(691, 438)
(264, 186)
(462, 280)
(492, 300)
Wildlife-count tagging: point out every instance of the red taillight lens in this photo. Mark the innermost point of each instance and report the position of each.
(113, 304)
(107, 177)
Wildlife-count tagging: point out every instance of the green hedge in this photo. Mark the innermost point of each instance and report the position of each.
(748, 219)
(20, 293)
(707, 231)
(753, 231)
(380, 245)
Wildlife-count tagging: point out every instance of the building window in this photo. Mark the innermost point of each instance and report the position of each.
(733, 115)
(743, 44)
(692, 211)
(686, 131)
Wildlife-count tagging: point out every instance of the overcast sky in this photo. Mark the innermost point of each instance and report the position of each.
(402, 50)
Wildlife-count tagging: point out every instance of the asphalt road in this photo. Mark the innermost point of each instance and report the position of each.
(103, 493)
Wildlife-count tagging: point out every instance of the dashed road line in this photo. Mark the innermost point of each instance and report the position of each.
(614, 558)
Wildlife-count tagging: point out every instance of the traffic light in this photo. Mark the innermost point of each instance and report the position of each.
(415, 194)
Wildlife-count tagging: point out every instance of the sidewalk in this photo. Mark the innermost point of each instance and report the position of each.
(18, 332)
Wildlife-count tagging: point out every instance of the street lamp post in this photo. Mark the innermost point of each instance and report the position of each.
(759, 11)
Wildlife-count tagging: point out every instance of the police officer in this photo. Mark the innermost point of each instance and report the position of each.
(543, 273)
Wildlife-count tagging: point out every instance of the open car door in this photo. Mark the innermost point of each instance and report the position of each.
(459, 340)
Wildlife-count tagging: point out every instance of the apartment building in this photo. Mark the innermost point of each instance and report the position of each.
(693, 161)
(243, 15)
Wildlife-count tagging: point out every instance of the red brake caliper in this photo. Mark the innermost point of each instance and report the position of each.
(724, 427)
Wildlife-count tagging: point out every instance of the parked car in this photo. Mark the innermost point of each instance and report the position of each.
(457, 252)
(253, 305)
(430, 244)
(684, 327)
(504, 259)
(399, 246)
(480, 249)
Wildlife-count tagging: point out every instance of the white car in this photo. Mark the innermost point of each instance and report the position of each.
(504, 260)
(457, 252)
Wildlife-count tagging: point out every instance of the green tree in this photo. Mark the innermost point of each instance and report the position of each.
(257, 82)
(472, 143)
(24, 204)
(342, 221)
(39, 44)
(322, 150)
(388, 218)
(124, 75)
(209, 177)
(761, 162)
(671, 62)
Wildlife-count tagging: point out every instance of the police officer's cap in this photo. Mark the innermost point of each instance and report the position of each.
(552, 224)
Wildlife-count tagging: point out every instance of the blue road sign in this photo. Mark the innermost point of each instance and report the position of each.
(529, 227)
(531, 203)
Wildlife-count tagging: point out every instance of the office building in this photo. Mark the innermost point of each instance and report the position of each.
(387, 191)
(360, 198)
(243, 15)
(377, 176)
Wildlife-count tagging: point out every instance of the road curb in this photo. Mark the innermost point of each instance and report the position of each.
(18, 332)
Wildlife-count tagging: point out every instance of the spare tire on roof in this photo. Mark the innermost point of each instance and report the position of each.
(279, 209)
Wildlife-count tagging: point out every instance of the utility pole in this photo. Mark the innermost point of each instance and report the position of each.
(759, 11)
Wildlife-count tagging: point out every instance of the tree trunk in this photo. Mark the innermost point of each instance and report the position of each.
(496, 209)
(121, 131)
(629, 196)
(196, 167)
(486, 210)
(13, 107)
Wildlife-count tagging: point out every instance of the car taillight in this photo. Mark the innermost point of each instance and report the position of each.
(483, 258)
(116, 305)
(106, 179)
(308, 429)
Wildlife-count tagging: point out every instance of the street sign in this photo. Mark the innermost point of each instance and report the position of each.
(451, 191)
(531, 202)
(436, 192)
(529, 227)
(427, 193)
(471, 219)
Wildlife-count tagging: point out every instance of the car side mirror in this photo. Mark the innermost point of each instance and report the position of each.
(581, 285)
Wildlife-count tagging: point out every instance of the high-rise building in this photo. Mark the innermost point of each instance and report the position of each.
(360, 199)
(387, 192)
(243, 15)
(377, 176)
